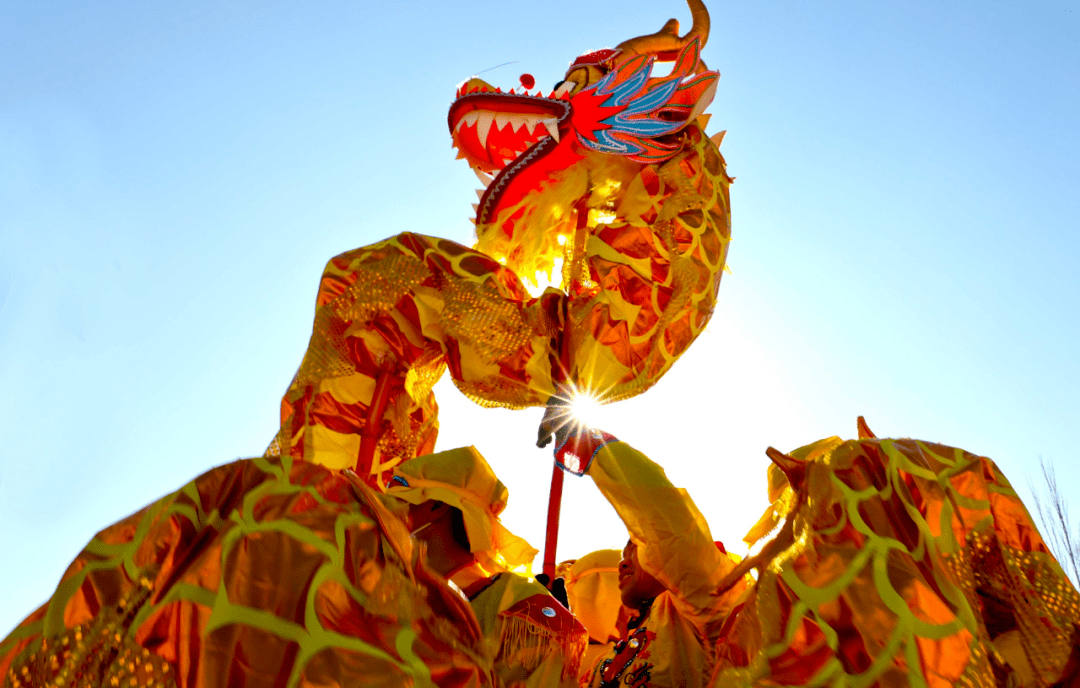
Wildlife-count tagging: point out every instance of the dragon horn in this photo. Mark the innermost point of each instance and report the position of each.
(700, 29)
(667, 39)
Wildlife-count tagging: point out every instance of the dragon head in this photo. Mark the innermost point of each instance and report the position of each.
(540, 157)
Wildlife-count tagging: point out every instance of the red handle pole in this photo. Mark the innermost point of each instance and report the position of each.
(369, 436)
(551, 541)
(554, 505)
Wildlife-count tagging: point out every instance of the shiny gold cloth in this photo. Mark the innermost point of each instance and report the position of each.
(463, 479)
(902, 563)
(258, 573)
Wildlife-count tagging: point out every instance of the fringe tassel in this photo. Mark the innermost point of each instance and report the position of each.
(523, 642)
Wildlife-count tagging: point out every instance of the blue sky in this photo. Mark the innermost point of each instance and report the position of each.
(173, 177)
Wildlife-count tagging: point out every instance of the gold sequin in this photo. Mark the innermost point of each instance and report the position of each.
(103, 660)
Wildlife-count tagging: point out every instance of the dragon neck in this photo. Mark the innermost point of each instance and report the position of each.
(531, 231)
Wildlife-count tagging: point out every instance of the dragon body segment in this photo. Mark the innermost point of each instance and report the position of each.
(608, 184)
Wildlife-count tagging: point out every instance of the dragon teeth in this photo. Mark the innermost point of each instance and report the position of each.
(484, 119)
(483, 126)
(519, 121)
(552, 126)
(479, 194)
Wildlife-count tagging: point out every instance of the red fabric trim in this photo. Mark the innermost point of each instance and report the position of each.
(577, 453)
(595, 57)
(557, 619)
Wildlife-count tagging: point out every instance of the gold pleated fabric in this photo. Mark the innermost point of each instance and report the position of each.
(257, 573)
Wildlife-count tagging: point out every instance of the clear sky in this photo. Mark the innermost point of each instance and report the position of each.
(174, 176)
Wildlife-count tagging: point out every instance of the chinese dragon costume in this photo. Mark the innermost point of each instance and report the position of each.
(896, 562)
(610, 182)
(285, 569)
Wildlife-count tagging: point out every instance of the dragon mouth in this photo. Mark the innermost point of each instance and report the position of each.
(497, 133)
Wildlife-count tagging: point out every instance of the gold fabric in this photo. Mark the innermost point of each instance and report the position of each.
(592, 588)
(409, 307)
(642, 280)
(464, 480)
(902, 563)
(259, 572)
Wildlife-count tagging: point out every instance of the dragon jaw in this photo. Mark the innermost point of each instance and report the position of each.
(510, 140)
(519, 142)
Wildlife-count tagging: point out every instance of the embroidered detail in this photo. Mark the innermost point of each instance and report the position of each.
(617, 670)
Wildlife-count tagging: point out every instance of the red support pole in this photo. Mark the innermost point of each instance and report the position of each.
(551, 541)
(554, 505)
(369, 436)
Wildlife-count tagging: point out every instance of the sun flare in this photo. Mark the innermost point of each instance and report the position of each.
(585, 409)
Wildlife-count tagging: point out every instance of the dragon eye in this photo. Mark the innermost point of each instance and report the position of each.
(557, 85)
